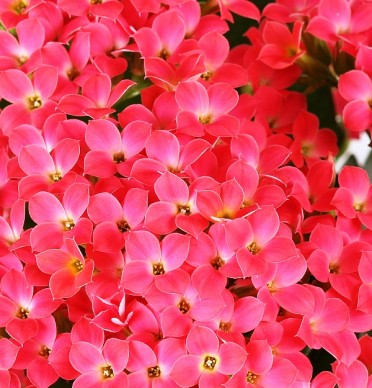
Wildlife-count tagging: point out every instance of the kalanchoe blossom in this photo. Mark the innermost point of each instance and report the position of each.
(208, 362)
(356, 87)
(21, 307)
(150, 262)
(68, 269)
(206, 110)
(116, 219)
(100, 367)
(57, 219)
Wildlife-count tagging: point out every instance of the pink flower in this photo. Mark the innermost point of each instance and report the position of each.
(68, 269)
(150, 262)
(206, 109)
(356, 87)
(208, 363)
(100, 367)
(20, 308)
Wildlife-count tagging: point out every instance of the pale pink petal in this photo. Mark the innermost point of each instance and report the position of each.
(104, 207)
(15, 86)
(76, 199)
(191, 96)
(355, 84)
(103, 135)
(137, 277)
(97, 88)
(222, 98)
(202, 340)
(163, 146)
(143, 246)
(135, 206)
(34, 159)
(15, 286)
(85, 357)
(216, 49)
(238, 233)
(174, 250)
(356, 180)
(232, 358)
(171, 188)
(45, 207)
(186, 370)
(134, 137)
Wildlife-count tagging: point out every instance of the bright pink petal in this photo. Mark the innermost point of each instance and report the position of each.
(100, 240)
(34, 159)
(171, 188)
(103, 135)
(104, 207)
(191, 96)
(355, 85)
(186, 370)
(232, 358)
(160, 217)
(99, 164)
(222, 98)
(76, 199)
(163, 146)
(85, 357)
(135, 206)
(15, 86)
(97, 88)
(174, 250)
(116, 352)
(137, 277)
(265, 224)
(134, 137)
(45, 207)
(357, 115)
(202, 340)
(143, 246)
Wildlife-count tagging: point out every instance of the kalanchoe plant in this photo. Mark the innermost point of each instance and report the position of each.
(170, 210)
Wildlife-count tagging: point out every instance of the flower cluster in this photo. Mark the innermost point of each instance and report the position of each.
(170, 211)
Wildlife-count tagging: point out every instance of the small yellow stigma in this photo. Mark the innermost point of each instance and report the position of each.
(251, 378)
(94, 2)
(68, 224)
(164, 54)
(56, 177)
(358, 207)
(205, 119)
(154, 371)
(183, 209)
(158, 269)
(183, 306)
(76, 265)
(34, 102)
(217, 262)
(22, 59)
(206, 75)
(44, 351)
(107, 372)
(209, 362)
(22, 313)
(19, 6)
(333, 268)
(253, 248)
(72, 73)
(118, 157)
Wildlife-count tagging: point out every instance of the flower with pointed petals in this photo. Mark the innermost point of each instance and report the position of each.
(206, 110)
(20, 307)
(150, 262)
(208, 363)
(100, 367)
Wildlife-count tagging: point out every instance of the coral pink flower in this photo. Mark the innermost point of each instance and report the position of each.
(30, 99)
(110, 149)
(150, 262)
(208, 363)
(176, 208)
(282, 46)
(116, 219)
(8, 354)
(165, 152)
(263, 369)
(97, 97)
(18, 53)
(151, 368)
(163, 38)
(56, 220)
(100, 367)
(256, 240)
(68, 269)
(365, 290)
(20, 308)
(354, 196)
(48, 168)
(34, 354)
(356, 87)
(216, 49)
(206, 109)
